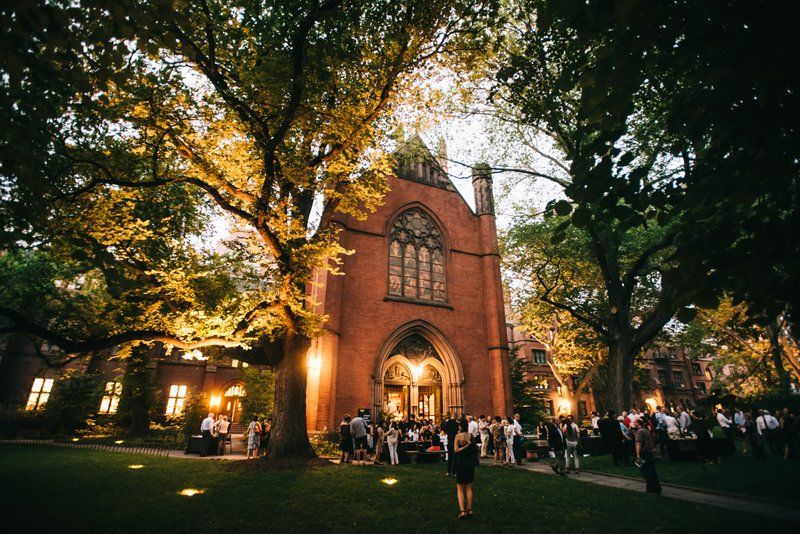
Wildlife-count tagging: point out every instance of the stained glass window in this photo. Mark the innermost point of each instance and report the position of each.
(416, 258)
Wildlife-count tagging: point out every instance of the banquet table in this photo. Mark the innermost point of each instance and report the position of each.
(195, 445)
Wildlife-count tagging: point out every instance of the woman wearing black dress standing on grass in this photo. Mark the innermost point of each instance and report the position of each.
(465, 452)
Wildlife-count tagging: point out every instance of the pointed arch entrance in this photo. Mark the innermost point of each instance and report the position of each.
(417, 372)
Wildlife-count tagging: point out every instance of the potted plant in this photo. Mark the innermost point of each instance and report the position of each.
(530, 450)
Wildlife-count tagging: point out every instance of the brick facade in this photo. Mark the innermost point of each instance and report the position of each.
(352, 365)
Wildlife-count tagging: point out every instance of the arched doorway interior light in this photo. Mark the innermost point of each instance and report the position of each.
(444, 361)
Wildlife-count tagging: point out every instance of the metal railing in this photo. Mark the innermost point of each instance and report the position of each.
(149, 450)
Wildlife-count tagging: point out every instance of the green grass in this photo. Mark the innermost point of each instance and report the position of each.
(775, 479)
(67, 490)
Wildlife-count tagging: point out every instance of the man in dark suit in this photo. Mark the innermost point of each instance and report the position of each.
(555, 440)
(613, 438)
(450, 427)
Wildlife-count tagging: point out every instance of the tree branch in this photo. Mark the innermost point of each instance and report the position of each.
(22, 325)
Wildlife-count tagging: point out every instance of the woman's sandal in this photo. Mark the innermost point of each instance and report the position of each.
(469, 513)
(462, 515)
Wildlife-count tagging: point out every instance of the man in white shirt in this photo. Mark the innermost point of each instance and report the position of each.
(724, 422)
(684, 421)
(472, 428)
(517, 438)
(206, 427)
(483, 429)
(768, 428)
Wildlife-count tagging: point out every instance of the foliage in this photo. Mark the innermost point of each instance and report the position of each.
(528, 400)
(326, 444)
(565, 300)
(195, 409)
(654, 111)
(138, 394)
(16, 422)
(75, 396)
(753, 356)
(259, 398)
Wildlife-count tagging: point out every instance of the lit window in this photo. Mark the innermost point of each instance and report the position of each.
(245, 365)
(540, 382)
(416, 258)
(234, 363)
(709, 374)
(177, 394)
(40, 392)
(678, 377)
(235, 391)
(110, 399)
(662, 376)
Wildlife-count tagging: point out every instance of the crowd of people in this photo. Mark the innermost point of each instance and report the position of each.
(756, 430)
(362, 442)
(215, 434)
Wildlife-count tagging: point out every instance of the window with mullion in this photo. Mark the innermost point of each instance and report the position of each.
(416, 258)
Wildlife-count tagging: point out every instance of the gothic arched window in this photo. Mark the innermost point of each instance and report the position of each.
(416, 257)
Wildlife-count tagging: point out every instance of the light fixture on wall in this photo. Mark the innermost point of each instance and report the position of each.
(215, 401)
(314, 364)
(564, 407)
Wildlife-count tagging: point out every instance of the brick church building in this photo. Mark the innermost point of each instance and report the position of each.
(416, 325)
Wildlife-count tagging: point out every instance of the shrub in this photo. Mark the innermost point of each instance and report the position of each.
(259, 399)
(75, 396)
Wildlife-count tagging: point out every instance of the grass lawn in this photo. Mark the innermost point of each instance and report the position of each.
(775, 479)
(67, 490)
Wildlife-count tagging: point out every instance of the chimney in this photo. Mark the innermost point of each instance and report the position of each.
(482, 186)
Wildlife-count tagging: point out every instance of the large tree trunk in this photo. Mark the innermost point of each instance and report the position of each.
(620, 376)
(289, 435)
(776, 352)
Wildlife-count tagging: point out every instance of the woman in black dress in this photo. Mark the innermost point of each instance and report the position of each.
(465, 452)
(346, 443)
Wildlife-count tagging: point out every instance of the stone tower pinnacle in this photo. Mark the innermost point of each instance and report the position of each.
(482, 186)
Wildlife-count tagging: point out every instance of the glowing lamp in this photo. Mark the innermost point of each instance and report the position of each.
(135, 466)
(564, 407)
(190, 492)
(215, 401)
(389, 481)
(75, 439)
(314, 363)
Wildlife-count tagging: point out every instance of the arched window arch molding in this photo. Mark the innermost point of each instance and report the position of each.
(449, 367)
(418, 258)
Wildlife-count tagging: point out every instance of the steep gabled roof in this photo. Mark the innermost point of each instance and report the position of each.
(414, 161)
